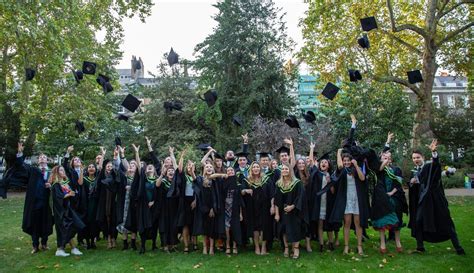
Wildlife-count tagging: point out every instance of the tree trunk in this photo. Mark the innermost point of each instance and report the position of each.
(422, 125)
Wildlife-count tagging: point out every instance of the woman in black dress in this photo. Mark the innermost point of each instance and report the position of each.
(291, 210)
(90, 184)
(66, 220)
(206, 209)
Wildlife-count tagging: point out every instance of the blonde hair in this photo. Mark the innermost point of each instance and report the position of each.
(291, 175)
(54, 177)
(251, 178)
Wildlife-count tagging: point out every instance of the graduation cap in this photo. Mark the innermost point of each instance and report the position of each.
(324, 156)
(78, 75)
(354, 75)
(88, 67)
(122, 117)
(216, 155)
(264, 154)
(237, 121)
(368, 23)
(131, 103)
(104, 81)
(210, 97)
(118, 141)
(29, 74)
(292, 122)
(309, 116)
(204, 146)
(80, 126)
(283, 149)
(242, 154)
(364, 41)
(173, 105)
(414, 76)
(330, 91)
(172, 57)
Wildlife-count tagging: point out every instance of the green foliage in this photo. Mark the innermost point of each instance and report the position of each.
(379, 109)
(243, 60)
(54, 37)
(176, 128)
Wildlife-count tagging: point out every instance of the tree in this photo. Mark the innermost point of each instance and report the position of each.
(411, 35)
(54, 37)
(175, 128)
(379, 109)
(243, 60)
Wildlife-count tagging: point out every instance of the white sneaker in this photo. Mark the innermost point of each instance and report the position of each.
(75, 251)
(61, 253)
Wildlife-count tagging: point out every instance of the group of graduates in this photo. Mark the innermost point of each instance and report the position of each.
(232, 200)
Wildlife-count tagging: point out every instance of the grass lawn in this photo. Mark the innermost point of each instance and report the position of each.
(15, 254)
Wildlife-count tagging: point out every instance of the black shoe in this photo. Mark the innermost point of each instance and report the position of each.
(93, 246)
(125, 245)
(133, 244)
(142, 250)
(153, 246)
(460, 251)
(420, 250)
(321, 248)
(331, 246)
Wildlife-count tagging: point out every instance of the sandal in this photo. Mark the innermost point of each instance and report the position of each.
(186, 250)
(296, 256)
(195, 247)
(346, 250)
(235, 251)
(285, 253)
(360, 251)
(228, 251)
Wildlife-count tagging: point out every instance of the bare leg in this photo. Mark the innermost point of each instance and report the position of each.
(383, 247)
(211, 246)
(204, 245)
(347, 230)
(397, 240)
(359, 234)
(296, 250)
(227, 241)
(285, 243)
(186, 238)
(308, 244)
(256, 242)
(320, 234)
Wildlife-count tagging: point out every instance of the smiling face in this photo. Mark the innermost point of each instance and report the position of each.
(170, 173)
(324, 165)
(417, 159)
(284, 158)
(265, 162)
(230, 171)
(168, 163)
(132, 166)
(285, 171)
(387, 156)
(346, 161)
(91, 169)
(301, 164)
(189, 166)
(208, 169)
(274, 164)
(150, 170)
(255, 169)
(242, 161)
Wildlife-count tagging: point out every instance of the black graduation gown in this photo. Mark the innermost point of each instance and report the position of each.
(169, 197)
(30, 175)
(432, 213)
(80, 200)
(413, 198)
(206, 199)
(315, 199)
(107, 187)
(185, 213)
(67, 221)
(90, 186)
(223, 188)
(340, 182)
(146, 215)
(295, 223)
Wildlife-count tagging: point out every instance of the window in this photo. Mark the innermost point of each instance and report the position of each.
(465, 100)
(436, 101)
(121, 110)
(451, 101)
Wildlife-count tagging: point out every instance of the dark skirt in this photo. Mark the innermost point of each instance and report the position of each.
(188, 212)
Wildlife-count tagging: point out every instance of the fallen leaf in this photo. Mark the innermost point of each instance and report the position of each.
(41, 266)
(196, 266)
(56, 266)
(448, 248)
(381, 265)
(254, 265)
(17, 248)
(142, 269)
(384, 260)
(353, 269)
(452, 269)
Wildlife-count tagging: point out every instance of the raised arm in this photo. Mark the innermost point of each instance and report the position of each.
(137, 156)
(20, 159)
(358, 170)
(245, 143)
(289, 141)
(339, 159)
(101, 161)
(206, 156)
(154, 158)
(311, 154)
(181, 161)
(116, 162)
(65, 164)
(352, 130)
(124, 161)
(173, 159)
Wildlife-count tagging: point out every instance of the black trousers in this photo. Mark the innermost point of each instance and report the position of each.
(38, 233)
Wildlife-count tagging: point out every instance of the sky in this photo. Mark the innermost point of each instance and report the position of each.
(182, 24)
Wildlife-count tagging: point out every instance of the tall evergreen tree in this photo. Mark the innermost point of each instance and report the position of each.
(243, 60)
